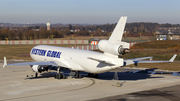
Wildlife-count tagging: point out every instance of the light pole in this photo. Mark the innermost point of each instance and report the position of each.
(7, 40)
(52, 37)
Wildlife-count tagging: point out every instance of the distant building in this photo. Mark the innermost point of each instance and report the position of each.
(48, 26)
(167, 35)
(76, 30)
(94, 41)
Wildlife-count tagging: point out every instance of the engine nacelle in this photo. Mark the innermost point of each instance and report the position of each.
(39, 69)
(113, 48)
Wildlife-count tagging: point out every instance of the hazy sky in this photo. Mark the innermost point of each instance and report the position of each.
(89, 11)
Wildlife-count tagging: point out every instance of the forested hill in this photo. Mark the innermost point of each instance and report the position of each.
(129, 26)
(33, 31)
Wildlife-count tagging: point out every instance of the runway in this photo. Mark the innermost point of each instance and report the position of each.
(15, 86)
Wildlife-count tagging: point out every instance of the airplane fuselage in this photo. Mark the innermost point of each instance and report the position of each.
(74, 59)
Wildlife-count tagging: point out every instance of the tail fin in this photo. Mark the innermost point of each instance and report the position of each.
(114, 46)
(118, 31)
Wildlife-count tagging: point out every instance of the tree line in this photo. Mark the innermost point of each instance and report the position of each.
(40, 32)
(29, 34)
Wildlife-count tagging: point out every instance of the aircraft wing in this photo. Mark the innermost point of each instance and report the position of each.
(52, 63)
(55, 62)
(31, 63)
(141, 60)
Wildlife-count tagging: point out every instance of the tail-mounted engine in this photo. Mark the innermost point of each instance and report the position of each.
(39, 69)
(113, 48)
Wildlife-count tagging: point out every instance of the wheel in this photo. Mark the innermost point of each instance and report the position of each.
(55, 76)
(89, 74)
(58, 76)
(63, 76)
(95, 75)
(78, 75)
(92, 75)
(36, 75)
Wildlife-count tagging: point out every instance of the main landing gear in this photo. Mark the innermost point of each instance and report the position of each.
(93, 75)
(62, 76)
(77, 75)
(59, 75)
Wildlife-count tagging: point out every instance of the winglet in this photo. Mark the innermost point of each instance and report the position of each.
(5, 62)
(172, 59)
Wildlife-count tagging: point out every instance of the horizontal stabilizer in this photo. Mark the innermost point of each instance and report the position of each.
(151, 61)
(171, 60)
(100, 60)
(138, 60)
(109, 60)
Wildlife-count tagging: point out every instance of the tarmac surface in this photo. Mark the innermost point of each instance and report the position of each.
(171, 93)
(16, 86)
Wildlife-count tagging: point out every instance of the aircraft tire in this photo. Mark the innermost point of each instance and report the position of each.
(55, 77)
(58, 76)
(89, 74)
(63, 76)
(78, 76)
(92, 75)
(36, 75)
(95, 75)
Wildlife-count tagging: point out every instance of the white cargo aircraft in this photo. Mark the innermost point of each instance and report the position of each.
(76, 60)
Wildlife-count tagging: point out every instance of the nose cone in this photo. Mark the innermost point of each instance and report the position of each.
(32, 55)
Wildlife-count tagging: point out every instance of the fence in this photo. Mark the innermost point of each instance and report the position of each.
(89, 47)
(138, 39)
(94, 47)
(132, 43)
(13, 42)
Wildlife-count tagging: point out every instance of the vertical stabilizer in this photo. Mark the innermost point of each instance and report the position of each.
(114, 46)
(118, 31)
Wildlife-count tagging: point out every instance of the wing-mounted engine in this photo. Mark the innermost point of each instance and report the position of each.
(114, 48)
(39, 68)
